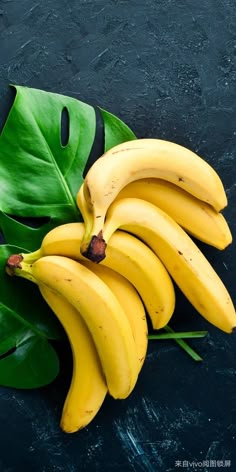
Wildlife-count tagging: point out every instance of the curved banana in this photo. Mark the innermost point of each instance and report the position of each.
(185, 262)
(126, 255)
(198, 218)
(143, 158)
(100, 310)
(130, 302)
(88, 387)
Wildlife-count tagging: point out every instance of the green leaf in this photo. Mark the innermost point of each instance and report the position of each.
(39, 180)
(39, 177)
(26, 326)
(34, 363)
(115, 130)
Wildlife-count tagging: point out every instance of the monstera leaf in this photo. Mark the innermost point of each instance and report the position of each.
(46, 145)
(39, 174)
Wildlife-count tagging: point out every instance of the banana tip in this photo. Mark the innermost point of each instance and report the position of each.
(13, 262)
(96, 249)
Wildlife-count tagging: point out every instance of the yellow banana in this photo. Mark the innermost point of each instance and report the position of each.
(185, 262)
(130, 302)
(88, 387)
(126, 255)
(198, 218)
(139, 264)
(144, 158)
(100, 310)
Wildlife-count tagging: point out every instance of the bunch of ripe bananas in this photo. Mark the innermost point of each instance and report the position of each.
(140, 203)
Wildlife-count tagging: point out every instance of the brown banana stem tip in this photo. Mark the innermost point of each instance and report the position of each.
(13, 262)
(96, 250)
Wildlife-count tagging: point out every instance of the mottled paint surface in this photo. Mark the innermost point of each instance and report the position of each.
(168, 69)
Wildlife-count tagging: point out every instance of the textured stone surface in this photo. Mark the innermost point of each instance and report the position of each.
(168, 69)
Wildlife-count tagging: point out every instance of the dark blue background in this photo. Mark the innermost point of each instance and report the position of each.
(168, 69)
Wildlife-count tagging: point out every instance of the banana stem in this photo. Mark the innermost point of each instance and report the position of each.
(31, 257)
(17, 266)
